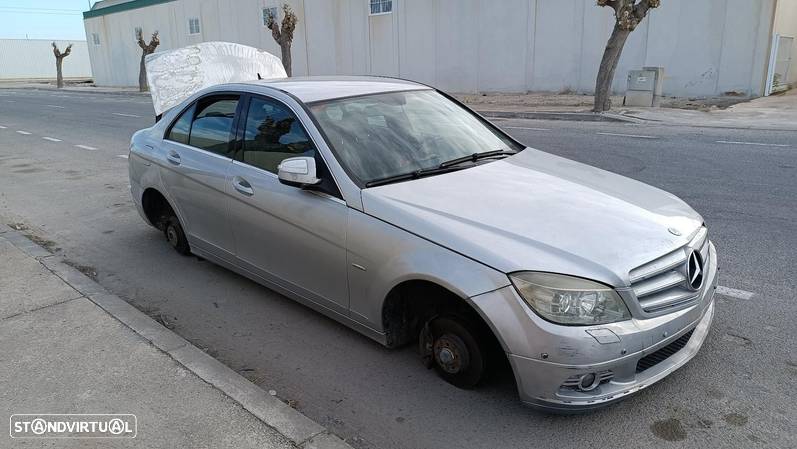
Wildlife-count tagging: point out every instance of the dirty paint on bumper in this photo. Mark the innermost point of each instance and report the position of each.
(543, 355)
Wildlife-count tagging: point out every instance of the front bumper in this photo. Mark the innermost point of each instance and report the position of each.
(544, 356)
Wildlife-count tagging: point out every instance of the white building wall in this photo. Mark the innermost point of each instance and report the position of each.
(786, 25)
(33, 58)
(706, 47)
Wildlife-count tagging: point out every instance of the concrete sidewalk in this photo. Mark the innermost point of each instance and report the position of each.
(71, 347)
(72, 87)
(777, 112)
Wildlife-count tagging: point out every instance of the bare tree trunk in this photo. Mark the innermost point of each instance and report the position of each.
(142, 75)
(146, 49)
(284, 36)
(59, 77)
(59, 60)
(611, 57)
(285, 48)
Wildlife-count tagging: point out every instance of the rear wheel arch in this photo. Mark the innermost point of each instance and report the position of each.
(156, 207)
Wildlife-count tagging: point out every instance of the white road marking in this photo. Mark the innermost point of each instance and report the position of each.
(730, 142)
(55, 106)
(11, 101)
(123, 156)
(86, 147)
(523, 127)
(628, 135)
(125, 115)
(51, 139)
(734, 293)
(2, 127)
(24, 133)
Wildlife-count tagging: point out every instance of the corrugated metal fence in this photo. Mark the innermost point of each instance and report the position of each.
(33, 58)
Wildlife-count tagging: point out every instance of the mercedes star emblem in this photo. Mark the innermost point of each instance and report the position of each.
(694, 271)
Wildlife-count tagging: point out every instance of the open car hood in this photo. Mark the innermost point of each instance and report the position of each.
(175, 75)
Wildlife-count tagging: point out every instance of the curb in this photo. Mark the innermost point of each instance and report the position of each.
(636, 119)
(293, 425)
(88, 90)
(616, 117)
(569, 116)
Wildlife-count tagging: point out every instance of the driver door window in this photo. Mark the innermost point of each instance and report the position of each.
(273, 133)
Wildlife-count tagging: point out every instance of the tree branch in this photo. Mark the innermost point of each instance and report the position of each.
(614, 4)
(140, 39)
(641, 9)
(288, 22)
(275, 30)
(153, 42)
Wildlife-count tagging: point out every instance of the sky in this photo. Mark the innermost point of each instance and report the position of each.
(43, 19)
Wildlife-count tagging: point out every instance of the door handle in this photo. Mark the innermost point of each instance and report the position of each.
(243, 186)
(173, 157)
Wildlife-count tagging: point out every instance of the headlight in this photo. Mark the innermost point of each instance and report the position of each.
(569, 300)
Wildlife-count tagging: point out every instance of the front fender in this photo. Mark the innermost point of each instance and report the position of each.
(382, 256)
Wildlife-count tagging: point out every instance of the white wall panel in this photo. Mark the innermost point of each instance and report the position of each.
(33, 58)
(502, 48)
(457, 45)
(557, 43)
(706, 47)
(786, 25)
(418, 34)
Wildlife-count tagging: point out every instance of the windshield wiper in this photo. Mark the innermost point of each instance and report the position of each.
(445, 167)
(411, 175)
(476, 156)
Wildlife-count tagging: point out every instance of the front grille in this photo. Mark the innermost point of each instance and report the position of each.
(661, 284)
(664, 353)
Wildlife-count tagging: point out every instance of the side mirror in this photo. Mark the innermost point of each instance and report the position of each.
(297, 172)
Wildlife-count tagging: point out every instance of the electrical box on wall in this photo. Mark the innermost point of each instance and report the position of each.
(644, 87)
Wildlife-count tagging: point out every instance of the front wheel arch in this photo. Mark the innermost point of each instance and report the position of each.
(411, 303)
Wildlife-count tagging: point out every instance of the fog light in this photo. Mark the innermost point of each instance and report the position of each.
(588, 382)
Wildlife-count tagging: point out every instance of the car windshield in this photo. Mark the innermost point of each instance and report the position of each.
(380, 136)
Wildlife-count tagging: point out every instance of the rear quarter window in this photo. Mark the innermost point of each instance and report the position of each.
(182, 126)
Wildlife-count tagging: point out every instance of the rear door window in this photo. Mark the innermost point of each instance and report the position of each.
(211, 129)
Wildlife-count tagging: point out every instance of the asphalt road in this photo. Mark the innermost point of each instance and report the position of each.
(63, 175)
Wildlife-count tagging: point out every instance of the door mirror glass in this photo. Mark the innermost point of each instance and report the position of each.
(298, 171)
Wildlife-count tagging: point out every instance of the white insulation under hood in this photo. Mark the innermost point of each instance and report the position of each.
(175, 75)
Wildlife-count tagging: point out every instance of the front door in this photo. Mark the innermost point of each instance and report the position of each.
(196, 171)
(293, 237)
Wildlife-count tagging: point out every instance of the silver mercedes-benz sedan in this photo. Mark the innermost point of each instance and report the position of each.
(394, 209)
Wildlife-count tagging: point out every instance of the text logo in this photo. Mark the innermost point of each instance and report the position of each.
(49, 425)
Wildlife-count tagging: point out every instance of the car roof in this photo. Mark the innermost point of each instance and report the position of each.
(319, 88)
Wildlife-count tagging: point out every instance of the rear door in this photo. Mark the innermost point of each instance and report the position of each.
(290, 236)
(197, 171)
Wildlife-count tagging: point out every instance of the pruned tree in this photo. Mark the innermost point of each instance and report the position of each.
(146, 49)
(59, 60)
(628, 14)
(284, 35)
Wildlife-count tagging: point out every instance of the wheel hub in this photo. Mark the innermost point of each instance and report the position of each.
(451, 354)
(171, 235)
